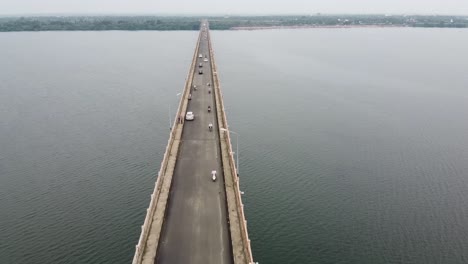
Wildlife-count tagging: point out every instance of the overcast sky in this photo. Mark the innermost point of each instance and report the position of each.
(203, 7)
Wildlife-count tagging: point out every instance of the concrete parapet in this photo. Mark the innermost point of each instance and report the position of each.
(146, 248)
(242, 252)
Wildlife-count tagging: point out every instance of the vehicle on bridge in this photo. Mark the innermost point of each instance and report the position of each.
(200, 65)
(209, 109)
(200, 72)
(210, 127)
(190, 96)
(213, 175)
(189, 116)
(200, 56)
(205, 59)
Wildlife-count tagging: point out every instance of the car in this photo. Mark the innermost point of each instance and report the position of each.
(205, 59)
(190, 96)
(200, 72)
(200, 65)
(200, 56)
(189, 116)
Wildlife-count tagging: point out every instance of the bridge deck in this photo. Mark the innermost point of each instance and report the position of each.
(195, 228)
(192, 219)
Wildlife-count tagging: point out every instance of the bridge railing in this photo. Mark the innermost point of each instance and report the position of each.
(240, 205)
(145, 228)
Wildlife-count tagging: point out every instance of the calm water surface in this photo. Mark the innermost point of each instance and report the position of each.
(354, 142)
(83, 128)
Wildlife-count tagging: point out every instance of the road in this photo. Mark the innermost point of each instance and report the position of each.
(195, 229)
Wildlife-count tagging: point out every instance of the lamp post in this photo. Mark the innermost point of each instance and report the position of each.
(237, 147)
(170, 122)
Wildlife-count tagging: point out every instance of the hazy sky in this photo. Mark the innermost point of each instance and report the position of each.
(9, 7)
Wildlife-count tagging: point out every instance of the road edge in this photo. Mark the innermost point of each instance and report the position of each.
(147, 246)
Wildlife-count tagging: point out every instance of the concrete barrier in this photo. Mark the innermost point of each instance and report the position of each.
(231, 171)
(165, 175)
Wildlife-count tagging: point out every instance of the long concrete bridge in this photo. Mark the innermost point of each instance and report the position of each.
(191, 218)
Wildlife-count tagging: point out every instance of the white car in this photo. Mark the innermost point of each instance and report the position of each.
(189, 116)
(200, 56)
(213, 175)
(205, 59)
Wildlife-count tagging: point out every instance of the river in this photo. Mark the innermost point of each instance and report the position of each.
(353, 142)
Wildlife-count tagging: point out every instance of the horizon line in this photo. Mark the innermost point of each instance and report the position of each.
(70, 14)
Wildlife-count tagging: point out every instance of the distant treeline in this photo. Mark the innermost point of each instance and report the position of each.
(339, 20)
(95, 23)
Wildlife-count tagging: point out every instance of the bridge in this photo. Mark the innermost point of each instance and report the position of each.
(191, 218)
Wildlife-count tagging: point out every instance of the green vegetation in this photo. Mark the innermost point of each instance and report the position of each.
(96, 23)
(338, 20)
(220, 23)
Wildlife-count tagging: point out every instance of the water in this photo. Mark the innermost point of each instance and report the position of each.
(354, 145)
(354, 142)
(83, 129)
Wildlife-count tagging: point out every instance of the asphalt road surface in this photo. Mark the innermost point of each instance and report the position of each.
(195, 229)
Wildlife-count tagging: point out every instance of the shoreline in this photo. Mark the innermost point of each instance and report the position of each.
(319, 26)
